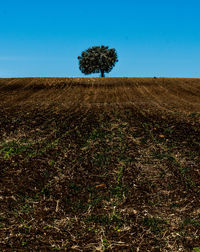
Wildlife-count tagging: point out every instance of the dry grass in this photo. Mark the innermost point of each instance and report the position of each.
(91, 164)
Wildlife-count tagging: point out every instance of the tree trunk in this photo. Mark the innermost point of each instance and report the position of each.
(102, 73)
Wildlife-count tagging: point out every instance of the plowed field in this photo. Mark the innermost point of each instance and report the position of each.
(100, 164)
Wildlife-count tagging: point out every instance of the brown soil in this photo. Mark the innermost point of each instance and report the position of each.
(99, 164)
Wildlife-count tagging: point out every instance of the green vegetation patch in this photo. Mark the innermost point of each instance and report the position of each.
(155, 224)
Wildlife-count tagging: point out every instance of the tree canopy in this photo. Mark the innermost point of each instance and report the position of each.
(97, 59)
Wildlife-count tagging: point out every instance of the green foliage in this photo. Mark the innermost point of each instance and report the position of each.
(12, 148)
(155, 224)
(97, 59)
(196, 249)
(190, 221)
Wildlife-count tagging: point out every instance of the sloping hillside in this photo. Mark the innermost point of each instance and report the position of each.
(91, 164)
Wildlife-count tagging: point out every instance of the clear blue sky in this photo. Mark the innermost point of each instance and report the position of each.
(43, 38)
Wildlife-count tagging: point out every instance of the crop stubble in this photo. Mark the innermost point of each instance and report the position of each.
(107, 163)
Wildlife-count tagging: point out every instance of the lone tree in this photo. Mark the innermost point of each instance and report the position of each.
(97, 59)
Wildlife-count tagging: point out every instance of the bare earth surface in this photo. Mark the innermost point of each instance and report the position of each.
(100, 164)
